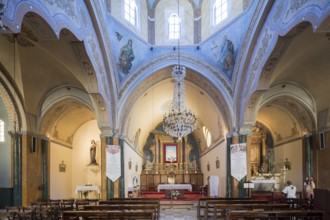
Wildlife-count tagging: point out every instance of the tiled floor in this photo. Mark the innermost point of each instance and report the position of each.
(178, 213)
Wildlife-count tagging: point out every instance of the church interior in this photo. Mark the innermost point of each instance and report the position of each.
(88, 90)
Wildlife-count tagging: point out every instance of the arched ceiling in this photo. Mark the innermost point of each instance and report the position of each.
(44, 63)
(148, 112)
(305, 62)
(64, 118)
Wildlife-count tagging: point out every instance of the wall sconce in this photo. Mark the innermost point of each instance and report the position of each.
(130, 164)
(62, 166)
(208, 166)
(136, 167)
(287, 164)
(217, 163)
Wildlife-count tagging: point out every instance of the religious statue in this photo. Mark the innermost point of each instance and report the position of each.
(193, 163)
(189, 149)
(92, 153)
(149, 164)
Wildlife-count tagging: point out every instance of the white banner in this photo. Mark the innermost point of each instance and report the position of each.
(238, 161)
(113, 162)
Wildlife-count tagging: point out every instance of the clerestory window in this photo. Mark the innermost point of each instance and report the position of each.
(220, 11)
(131, 12)
(174, 26)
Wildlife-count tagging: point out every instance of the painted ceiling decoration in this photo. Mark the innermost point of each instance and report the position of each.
(82, 44)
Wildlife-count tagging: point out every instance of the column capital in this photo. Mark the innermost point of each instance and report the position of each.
(245, 130)
(109, 132)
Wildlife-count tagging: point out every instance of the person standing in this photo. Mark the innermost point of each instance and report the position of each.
(309, 187)
(289, 190)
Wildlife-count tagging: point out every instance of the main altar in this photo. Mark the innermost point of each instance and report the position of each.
(170, 162)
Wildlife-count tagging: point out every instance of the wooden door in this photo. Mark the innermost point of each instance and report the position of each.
(150, 182)
(156, 179)
(178, 178)
(143, 182)
(186, 178)
(163, 178)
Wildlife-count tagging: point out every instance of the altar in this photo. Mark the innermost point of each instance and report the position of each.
(174, 186)
(264, 185)
(89, 188)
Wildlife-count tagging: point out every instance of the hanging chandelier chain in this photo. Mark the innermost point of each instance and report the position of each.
(180, 121)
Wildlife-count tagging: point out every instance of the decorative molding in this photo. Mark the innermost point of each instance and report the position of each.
(183, 57)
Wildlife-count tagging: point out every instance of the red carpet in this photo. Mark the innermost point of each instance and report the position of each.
(188, 196)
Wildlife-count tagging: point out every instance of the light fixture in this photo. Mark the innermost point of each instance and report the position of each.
(217, 163)
(180, 121)
(130, 164)
(136, 167)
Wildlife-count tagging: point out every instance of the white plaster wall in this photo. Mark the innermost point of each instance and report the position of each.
(220, 152)
(81, 173)
(130, 154)
(292, 151)
(60, 182)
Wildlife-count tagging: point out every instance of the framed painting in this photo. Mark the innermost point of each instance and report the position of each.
(170, 153)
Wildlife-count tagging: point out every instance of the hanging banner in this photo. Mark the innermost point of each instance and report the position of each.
(113, 162)
(238, 161)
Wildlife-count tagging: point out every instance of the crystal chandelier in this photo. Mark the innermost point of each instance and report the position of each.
(179, 121)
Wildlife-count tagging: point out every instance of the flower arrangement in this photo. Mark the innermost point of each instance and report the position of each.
(174, 194)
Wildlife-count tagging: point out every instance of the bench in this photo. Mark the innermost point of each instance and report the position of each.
(220, 210)
(125, 207)
(274, 214)
(206, 204)
(115, 214)
(134, 201)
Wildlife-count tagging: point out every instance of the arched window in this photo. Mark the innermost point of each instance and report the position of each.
(207, 136)
(2, 131)
(220, 11)
(131, 12)
(174, 26)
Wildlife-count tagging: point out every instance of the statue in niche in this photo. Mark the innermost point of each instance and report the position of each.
(188, 151)
(92, 153)
(193, 163)
(149, 164)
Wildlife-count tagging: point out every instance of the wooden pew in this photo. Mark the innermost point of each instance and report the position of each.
(116, 214)
(220, 210)
(126, 207)
(134, 201)
(205, 205)
(274, 214)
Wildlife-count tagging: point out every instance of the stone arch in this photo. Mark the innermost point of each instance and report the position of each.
(274, 39)
(12, 101)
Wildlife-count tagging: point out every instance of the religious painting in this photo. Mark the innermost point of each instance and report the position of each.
(126, 56)
(170, 153)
